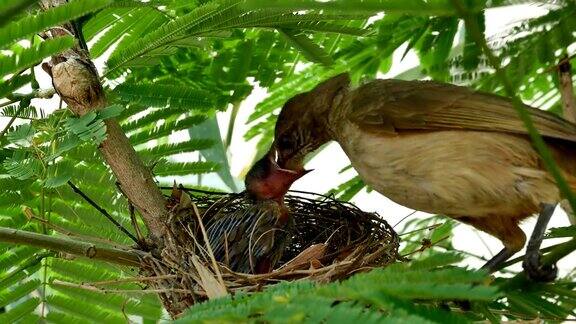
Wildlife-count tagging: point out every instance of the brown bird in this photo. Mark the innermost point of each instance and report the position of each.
(441, 149)
(253, 239)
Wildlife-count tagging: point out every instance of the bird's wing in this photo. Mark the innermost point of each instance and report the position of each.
(391, 106)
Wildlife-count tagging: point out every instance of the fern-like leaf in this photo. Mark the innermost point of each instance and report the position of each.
(30, 56)
(32, 24)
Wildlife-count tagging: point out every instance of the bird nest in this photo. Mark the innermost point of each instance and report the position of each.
(330, 240)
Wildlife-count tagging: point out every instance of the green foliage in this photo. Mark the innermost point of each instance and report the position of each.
(171, 68)
(388, 294)
(25, 57)
(32, 24)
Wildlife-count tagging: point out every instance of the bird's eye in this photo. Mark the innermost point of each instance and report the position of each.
(286, 142)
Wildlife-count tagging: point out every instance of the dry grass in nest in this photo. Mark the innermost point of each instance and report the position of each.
(332, 241)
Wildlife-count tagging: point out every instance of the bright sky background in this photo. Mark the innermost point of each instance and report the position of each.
(327, 164)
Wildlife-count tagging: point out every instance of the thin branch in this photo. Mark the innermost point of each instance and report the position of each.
(118, 291)
(426, 246)
(567, 90)
(127, 280)
(568, 104)
(103, 212)
(129, 257)
(431, 227)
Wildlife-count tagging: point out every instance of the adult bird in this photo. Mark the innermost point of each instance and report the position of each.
(253, 237)
(441, 149)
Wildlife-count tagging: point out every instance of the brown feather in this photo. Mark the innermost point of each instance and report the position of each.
(399, 105)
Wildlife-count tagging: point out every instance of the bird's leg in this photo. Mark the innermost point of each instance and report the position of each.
(504, 228)
(494, 264)
(532, 265)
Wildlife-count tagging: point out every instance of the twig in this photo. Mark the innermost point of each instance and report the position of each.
(208, 192)
(118, 291)
(562, 61)
(404, 218)
(128, 257)
(128, 280)
(103, 212)
(423, 229)
(135, 225)
(425, 247)
(567, 90)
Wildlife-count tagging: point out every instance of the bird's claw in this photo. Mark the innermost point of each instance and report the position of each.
(536, 271)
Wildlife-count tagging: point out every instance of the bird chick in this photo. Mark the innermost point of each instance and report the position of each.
(440, 149)
(253, 239)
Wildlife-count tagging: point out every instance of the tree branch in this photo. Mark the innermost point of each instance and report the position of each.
(76, 80)
(567, 89)
(127, 257)
(568, 108)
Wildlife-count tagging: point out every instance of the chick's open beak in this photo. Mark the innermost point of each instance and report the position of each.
(267, 180)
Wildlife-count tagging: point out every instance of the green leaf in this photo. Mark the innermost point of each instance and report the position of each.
(165, 129)
(110, 112)
(58, 174)
(14, 84)
(307, 47)
(22, 135)
(87, 127)
(11, 295)
(23, 169)
(412, 7)
(19, 311)
(31, 56)
(63, 144)
(11, 8)
(567, 231)
(472, 52)
(33, 24)
(121, 27)
(165, 168)
(348, 189)
(191, 145)
(165, 95)
(216, 152)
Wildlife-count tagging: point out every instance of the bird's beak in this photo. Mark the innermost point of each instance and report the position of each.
(282, 175)
(292, 163)
(267, 180)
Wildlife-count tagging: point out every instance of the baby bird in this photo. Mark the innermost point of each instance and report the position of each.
(253, 239)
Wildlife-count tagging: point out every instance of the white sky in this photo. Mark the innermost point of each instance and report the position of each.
(327, 164)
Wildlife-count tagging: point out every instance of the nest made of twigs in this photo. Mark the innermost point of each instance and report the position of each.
(331, 241)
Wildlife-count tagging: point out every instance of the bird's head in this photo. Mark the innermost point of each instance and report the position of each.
(302, 125)
(266, 180)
